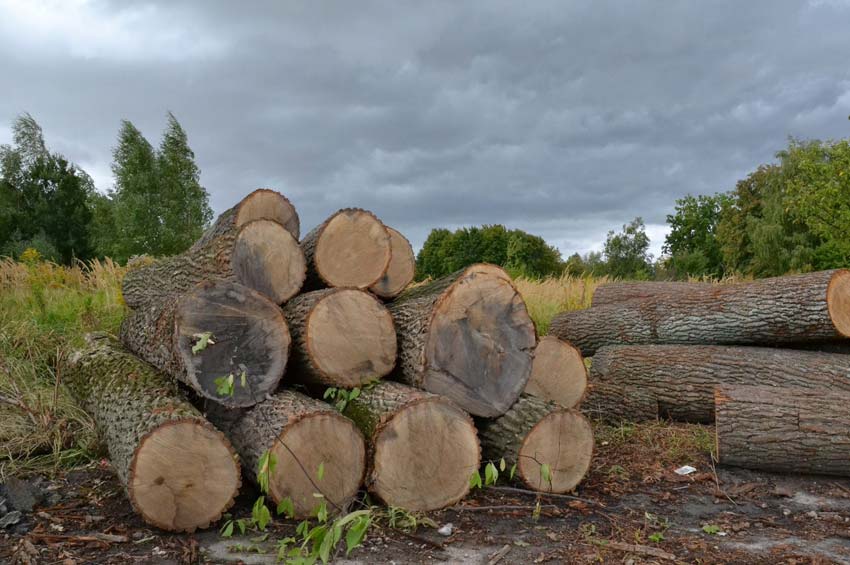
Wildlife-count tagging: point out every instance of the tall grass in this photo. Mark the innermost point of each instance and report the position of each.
(547, 297)
(45, 310)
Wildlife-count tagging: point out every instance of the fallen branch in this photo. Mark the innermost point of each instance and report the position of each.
(637, 549)
(545, 494)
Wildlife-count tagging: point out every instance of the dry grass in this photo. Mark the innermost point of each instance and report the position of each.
(547, 297)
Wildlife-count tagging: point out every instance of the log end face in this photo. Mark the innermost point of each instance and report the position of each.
(248, 336)
(424, 456)
(401, 270)
(183, 476)
(480, 343)
(267, 258)
(563, 440)
(351, 338)
(327, 440)
(353, 250)
(558, 373)
(267, 204)
(838, 301)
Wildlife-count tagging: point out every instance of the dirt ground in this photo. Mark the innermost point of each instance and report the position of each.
(633, 508)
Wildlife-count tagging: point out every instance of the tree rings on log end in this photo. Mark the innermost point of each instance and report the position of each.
(558, 373)
(401, 269)
(249, 337)
(268, 259)
(353, 249)
(327, 440)
(563, 440)
(351, 338)
(424, 455)
(183, 476)
(480, 342)
(838, 301)
(266, 204)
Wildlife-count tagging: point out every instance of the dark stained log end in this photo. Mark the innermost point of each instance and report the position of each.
(563, 440)
(267, 204)
(480, 342)
(401, 270)
(838, 301)
(327, 440)
(351, 338)
(183, 475)
(558, 373)
(353, 249)
(267, 258)
(250, 336)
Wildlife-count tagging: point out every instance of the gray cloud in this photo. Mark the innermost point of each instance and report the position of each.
(560, 119)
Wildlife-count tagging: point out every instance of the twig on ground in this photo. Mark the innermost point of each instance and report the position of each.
(546, 494)
(502, 507)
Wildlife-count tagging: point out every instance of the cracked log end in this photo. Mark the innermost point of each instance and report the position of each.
(183, 476)
(249, 333)
(267, 258)
(558, 373)
(401, 269)
(353, 249)
(564, 441)
(838, 301)
(266, 204)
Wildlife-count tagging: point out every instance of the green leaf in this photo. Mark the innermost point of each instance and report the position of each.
(243, 379)
(355, 392)
(491, 474)
(513, 471)
(265, 469)
(287, 507)
(260, 514)
(224, 385)
(204, 339)
(657, 537)
(326, 547)
(502, 465)
(330, 392)
(322, 512)
(320, 472)
(240, 523)
(711, 529)
(546, 473)
(356, 533)
(302, 528)
(227, 530)
(475, 480)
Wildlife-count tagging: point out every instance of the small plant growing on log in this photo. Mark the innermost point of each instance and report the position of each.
(203, 340)
(341, 396)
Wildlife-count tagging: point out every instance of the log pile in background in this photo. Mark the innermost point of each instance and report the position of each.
(248, 311)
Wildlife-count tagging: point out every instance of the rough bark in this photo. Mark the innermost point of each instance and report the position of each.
(782, 310)
(468, 337)
(783, 429)
(179, 472)
(617, 292)
(352, 248)
(302, 435)
(678, 381)
(342, 337)
(534, 433)
(422, 449)
(249, 336)
(401, 270)
(558, 373)
(260, 254)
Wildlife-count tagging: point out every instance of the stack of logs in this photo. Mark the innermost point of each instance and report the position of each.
(230, 348)
(767, 361)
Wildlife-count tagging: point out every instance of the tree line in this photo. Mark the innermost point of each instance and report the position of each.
(47, 203)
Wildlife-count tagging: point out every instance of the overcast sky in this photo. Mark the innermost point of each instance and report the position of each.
(565, 119)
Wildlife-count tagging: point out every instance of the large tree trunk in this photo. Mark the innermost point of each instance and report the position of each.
(534, 433)
(342, 337)
(262, 204)
(401, 270)
(352, 248)
(302, 436)
(678, 381)
(179, 472)
(468, 337)
(783, 429)
(558, 373)
(248, 337)
(422, 448)
(782, 310)
(617, 292)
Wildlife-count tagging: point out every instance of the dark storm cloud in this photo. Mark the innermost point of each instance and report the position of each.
(563, 120)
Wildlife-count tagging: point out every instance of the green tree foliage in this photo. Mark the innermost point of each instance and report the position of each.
(627, 253)
(521, 253)
(692, 246)
(159, 206)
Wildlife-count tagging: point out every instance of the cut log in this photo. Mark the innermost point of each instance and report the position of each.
(782, 310)
(260, 255)
(558, 373)
(534, 433)
(351, 249)
(248, 337)
(678, 381)
(468, 337)
(342, 337)
(783, 429)
(262, 204)
(179, 472)
(302, 435)
(401, 269)
(422, 449)
(617, 292)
